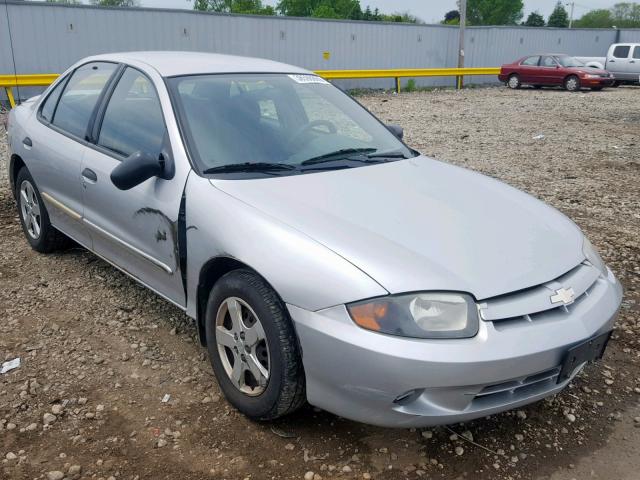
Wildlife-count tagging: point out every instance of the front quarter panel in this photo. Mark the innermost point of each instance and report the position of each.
(301, 270)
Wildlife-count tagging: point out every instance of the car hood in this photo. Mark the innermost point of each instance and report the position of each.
(588, 70)
(421, 224)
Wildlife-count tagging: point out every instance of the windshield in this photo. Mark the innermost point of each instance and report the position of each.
(570, 62)
(278, 123)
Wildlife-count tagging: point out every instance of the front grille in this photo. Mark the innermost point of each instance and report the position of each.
(535, 303)
(515, 390)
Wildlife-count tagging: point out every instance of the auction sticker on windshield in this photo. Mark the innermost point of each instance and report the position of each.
(308, 79)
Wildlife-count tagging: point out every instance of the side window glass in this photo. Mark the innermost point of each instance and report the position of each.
(548, 62)
(636, 52)
(80, 97)
(133, 119)
(49, 105)
(621, 51)
(531, 61)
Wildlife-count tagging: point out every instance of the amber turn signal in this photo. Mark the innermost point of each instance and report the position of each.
(367, 314)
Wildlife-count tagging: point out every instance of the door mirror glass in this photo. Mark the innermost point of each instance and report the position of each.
(396, 130)
(135, 169)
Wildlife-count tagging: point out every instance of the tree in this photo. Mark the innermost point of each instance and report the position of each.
(253, 7)
(452, 17)
(115, 3)
(534, 20)
(626, 15)
(494, 12)
(559, 17)
(600, 18)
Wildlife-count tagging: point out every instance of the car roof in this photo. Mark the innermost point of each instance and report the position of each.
(171, 63)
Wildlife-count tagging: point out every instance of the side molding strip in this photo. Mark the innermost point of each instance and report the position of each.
(61, 206)
(135, 250)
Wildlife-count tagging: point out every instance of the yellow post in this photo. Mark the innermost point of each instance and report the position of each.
(12, 101)
(397, 84)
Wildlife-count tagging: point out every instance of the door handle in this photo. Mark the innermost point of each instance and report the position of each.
(89, 175)
(632, 61)
(27, 142)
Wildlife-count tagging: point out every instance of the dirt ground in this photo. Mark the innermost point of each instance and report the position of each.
(99, 352)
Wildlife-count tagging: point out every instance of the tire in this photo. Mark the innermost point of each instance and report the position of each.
(572, 83)
(34, 218)
(282, 390)
(615, 84)
(514, 81)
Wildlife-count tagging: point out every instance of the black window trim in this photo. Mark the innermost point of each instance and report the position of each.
(66, 79)
(103, 103)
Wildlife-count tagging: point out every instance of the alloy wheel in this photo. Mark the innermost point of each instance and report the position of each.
(514, 81)
(242, 346)
(572, 84)
(30, 209)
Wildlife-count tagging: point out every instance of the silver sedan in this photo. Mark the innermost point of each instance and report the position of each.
(322, 259)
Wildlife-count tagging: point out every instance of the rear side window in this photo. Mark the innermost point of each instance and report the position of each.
(531, 61)
(49, 105)
(133, 119)
(621, 51)
(548, 62)
(80, 97)
(636, 52)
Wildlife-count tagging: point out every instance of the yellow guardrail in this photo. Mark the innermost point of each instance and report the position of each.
(10, 81)
(408, 72)
(37, 80)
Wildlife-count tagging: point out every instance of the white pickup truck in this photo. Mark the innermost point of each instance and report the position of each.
(622, 60)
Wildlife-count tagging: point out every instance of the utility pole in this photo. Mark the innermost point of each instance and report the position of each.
(572, 4)
(463, 23)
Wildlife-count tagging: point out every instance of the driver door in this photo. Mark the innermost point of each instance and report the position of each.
(135, 229)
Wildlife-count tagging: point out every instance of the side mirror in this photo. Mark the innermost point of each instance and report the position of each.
(135, 169)
(396, 130)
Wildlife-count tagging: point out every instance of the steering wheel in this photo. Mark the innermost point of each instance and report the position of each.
(305, 128)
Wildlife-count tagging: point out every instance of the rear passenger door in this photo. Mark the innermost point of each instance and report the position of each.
(529, 69)
(618, 62)
(136, 229)
(58, 142)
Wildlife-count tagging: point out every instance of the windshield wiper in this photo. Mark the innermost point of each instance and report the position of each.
(249, 167)
(387, 155)
(342, 154)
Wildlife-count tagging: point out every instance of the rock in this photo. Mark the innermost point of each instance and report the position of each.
(100, 408)
(459, 450)
(468, 435)
(367, 476)
(57, 409)
(74, 470)
(571, 417)
(11, 426)
(309, 475)
(31, 427)
(55, 475)
(427, 434)
(521, 414)
(519, 437)
(346, 469)
(48, 418)
(289, 446)
(10, 456)
(161, 443)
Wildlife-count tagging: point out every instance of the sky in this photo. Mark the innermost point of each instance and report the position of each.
(431, 11)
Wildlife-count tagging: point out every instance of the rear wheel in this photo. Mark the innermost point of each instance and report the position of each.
(572, 83)
(514, 81)
(34, 218)
(253, 347)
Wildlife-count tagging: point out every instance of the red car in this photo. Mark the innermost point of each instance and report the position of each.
(554, 70)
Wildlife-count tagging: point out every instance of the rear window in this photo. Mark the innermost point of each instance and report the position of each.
(80, 97)
(531, 61)
(621, 51)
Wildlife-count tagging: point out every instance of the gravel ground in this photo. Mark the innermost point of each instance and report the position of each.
(99, 352)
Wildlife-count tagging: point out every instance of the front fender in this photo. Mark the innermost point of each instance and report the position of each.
(302, 271)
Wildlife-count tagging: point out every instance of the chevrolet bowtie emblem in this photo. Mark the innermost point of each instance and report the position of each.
(564, 295)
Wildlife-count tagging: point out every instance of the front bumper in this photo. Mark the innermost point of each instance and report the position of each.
(398, 382)
(598, 82)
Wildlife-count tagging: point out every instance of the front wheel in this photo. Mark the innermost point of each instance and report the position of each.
(253, 347)
(572, 83)
(514, 82)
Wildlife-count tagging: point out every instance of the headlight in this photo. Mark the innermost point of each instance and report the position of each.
(592, 255)
(589, 75)
(419, 315)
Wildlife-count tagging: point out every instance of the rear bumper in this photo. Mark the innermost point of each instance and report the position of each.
(360, 375)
